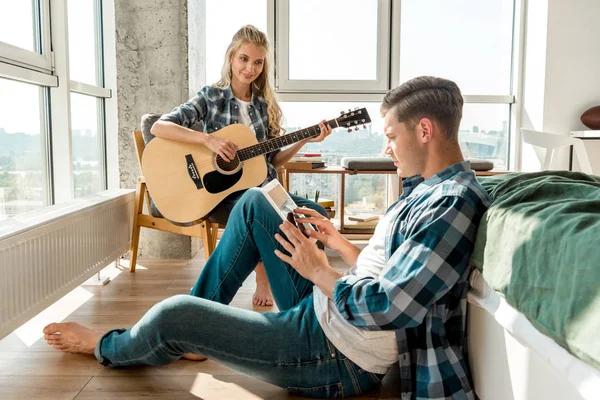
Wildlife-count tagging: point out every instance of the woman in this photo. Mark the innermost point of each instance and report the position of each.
(242, 95)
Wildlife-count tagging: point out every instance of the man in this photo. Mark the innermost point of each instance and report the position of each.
(336, 335)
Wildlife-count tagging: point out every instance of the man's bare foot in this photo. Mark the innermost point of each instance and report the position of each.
(262, 294)
(193, 357)
(72, 337)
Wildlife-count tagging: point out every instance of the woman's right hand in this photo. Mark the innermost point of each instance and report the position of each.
(223, 147)
(326, 233)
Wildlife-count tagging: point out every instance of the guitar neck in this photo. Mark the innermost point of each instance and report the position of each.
(281, 141)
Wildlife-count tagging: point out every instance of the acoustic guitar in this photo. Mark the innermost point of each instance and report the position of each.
(187, 181)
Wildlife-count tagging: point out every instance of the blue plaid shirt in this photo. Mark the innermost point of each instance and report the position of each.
(217, 108)
(421, 292)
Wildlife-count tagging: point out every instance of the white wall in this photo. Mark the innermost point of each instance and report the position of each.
(562, 72)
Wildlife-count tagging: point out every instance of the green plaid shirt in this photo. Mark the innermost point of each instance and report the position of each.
(217, 108)
(421, 292)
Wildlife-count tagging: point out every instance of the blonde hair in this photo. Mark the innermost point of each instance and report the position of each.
(261, 86)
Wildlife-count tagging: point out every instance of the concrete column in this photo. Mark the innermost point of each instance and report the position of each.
(152, 76)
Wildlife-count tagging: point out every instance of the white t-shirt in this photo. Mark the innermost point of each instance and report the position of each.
(244, 116)
(373, 351)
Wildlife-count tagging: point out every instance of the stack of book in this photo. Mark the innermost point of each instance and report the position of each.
(362, 221)
(306, 161)
(328, 205)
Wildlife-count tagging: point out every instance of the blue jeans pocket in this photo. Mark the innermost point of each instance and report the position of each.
(330, 391)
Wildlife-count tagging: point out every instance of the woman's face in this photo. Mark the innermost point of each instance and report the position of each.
(247, 64)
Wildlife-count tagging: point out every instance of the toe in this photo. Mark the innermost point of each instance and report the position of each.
(52, 328)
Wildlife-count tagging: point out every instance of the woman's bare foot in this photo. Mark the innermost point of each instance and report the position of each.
(72, 337)
(193, 357)
(262, 294)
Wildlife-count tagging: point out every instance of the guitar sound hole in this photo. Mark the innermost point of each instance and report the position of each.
(228, 166)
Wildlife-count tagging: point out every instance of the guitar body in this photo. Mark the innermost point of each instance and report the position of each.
(187, 181)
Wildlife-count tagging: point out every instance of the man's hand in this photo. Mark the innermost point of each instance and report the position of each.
(304, 256)
(326, 233)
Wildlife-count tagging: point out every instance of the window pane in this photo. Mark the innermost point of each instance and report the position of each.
(468, 41)
(364, 193)
(483, 133)
(23, 182)
(82, 41)
(222, 24)
(17, 24)
(333, 40)
(87, 148)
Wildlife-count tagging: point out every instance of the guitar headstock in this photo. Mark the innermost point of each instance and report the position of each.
(353, 118)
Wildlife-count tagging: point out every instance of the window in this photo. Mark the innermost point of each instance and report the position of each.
(220, 29)
(84, 50)
(25, 34)
(364, 193)
(87, 145)
(469, 42)
(87, 97)
(23, 171)
(333, 46)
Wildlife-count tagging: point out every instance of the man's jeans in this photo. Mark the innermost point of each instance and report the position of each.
(288, 348)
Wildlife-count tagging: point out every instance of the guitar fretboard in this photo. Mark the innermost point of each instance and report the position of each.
(281, 141)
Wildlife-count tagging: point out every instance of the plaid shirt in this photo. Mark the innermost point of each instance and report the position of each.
(421, 292)
(217, 108)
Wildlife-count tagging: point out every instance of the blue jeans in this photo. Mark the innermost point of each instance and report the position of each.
(287, 348)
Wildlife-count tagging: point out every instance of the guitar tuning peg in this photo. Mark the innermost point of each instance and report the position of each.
(342, 112)
(355, 108)
(356, 128)
(349, 110)
(364, 126)
(349, 130)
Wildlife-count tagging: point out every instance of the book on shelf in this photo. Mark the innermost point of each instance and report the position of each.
(304, 165)
(306, 159)
(361, 225)
(363, 217)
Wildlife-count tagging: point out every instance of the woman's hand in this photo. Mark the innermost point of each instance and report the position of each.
(304, 256)
(325, 131)
(326, 233)
(223, 147)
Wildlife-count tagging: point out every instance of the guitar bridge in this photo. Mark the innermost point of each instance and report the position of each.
(193, 172)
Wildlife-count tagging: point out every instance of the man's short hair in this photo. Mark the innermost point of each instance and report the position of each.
(427, 97)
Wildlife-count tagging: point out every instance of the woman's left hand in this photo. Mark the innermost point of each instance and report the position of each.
(325, 131)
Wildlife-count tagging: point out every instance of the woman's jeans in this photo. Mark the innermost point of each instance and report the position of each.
(288, 348)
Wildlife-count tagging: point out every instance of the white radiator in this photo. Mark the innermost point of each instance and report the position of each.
(47, 253)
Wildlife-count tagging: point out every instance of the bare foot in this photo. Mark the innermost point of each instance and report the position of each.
(72, 337)
(193, 357)
(262, 295)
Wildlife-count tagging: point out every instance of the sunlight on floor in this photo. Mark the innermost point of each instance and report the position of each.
(31, 331)
(207, 387)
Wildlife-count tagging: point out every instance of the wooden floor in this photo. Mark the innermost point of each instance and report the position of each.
(37, 371)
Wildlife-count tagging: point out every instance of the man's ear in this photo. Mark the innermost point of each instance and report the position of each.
(426, 127)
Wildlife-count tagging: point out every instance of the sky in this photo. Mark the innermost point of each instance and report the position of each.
(468, 41)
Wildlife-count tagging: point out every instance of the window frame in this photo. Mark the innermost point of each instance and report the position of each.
(283, 84)
(40, 60)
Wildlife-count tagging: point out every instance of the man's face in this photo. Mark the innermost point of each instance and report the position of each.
(403, 145)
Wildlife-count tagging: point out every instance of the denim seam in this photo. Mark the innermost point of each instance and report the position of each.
(145, 356)
(276, 244)
(230, 268)
(353, 376)
(246, 358)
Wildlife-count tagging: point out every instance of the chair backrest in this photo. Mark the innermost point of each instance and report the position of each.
(139, 144)
(551, 142)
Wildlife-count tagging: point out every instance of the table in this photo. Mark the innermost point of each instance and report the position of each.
(286, 172)
(571, 147)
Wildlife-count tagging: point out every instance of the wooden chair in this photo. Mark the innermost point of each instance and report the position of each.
(203, 229)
